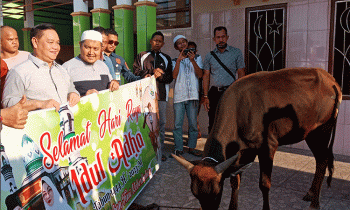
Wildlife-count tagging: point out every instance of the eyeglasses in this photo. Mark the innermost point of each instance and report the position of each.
(113, 42)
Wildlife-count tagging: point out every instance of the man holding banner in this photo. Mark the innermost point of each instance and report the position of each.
(44, 82)
(87, 71)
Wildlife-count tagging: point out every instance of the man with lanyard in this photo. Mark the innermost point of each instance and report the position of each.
(159, 64)
(104, 57)
(119, 64)
(220, 68)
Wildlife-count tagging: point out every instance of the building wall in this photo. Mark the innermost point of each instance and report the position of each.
(307, 45)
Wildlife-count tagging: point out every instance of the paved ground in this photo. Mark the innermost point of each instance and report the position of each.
(291, 178)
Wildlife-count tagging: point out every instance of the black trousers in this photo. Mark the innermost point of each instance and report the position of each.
(214, 96)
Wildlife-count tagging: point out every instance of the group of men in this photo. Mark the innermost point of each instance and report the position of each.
(36, 81)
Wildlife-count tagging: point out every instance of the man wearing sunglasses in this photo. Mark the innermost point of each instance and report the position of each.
(119, 64)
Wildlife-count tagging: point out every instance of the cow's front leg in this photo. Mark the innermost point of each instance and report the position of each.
(235, 182)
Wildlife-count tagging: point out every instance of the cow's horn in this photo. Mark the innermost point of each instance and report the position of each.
(189, 166)
(224, 165)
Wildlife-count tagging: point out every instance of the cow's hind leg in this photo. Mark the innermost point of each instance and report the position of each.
(266, 155)
(318, 141)
(235, 182)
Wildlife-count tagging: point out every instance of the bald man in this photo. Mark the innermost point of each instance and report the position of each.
(9, 47)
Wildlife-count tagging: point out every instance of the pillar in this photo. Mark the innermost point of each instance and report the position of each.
(146, 23)
(81, 22)
(26, 40)
(101, 14)
(28, 25)
(124, 26)
(1, 17)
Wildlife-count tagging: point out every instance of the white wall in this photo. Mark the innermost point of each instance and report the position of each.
(307, 44)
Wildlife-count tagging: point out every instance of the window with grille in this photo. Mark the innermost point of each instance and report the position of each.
(339, 53)
(173, 14)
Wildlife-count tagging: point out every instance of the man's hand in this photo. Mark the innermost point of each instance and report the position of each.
(91, 91)
(73, 99)
(158, 72)
(181, 56)
(191, 55)
(147, 75)
(15, 116)
(114, 85)
(50, 104)
(206, 104)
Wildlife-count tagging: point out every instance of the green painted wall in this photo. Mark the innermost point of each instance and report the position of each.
(80, 24)
(101, 19)
(146, 26)
(124, 25)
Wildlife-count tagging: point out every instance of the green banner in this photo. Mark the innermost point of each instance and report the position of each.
(98, 154)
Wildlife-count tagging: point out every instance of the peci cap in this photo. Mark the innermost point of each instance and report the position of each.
(92, 35)
(179, 37)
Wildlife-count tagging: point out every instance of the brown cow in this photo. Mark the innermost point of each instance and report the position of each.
(257, 114)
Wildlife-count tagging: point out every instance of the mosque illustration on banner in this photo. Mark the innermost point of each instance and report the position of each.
(29, 195)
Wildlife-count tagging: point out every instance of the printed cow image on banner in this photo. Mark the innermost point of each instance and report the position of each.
(98, 154)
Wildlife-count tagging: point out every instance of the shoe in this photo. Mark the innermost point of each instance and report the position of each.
(195, 153)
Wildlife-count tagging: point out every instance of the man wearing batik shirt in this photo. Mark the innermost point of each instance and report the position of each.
(157, 63)
(88, 72)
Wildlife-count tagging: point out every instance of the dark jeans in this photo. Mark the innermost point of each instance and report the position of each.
(214, 96)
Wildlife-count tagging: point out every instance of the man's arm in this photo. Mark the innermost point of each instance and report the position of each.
(128, 75)
(15, 116)
(167, 77)
(206, 78)
(197, 70)
(137, 66)
(241, 73)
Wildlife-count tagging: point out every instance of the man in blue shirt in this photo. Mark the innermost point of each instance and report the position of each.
(104, 57)
(119, 64)
(220, 79)
(187, 68)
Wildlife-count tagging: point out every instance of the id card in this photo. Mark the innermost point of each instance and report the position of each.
(117, 75)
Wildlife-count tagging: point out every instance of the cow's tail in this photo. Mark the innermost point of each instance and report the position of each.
(331, 143)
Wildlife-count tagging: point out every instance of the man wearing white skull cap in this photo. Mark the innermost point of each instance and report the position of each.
(88, 72)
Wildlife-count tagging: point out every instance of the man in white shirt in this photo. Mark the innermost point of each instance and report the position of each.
(45, 83)
(9, 47)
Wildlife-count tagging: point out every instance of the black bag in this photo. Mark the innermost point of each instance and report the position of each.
(222, 64)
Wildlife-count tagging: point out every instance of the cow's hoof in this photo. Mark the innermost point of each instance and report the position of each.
(314, 207)
(307, 197)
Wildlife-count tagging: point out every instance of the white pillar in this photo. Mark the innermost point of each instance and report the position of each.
(29, 16)
(103, 4)
(127, 2)
(80, 6)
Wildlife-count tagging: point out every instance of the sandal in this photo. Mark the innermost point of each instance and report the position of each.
(164, 158)
(195, 153)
